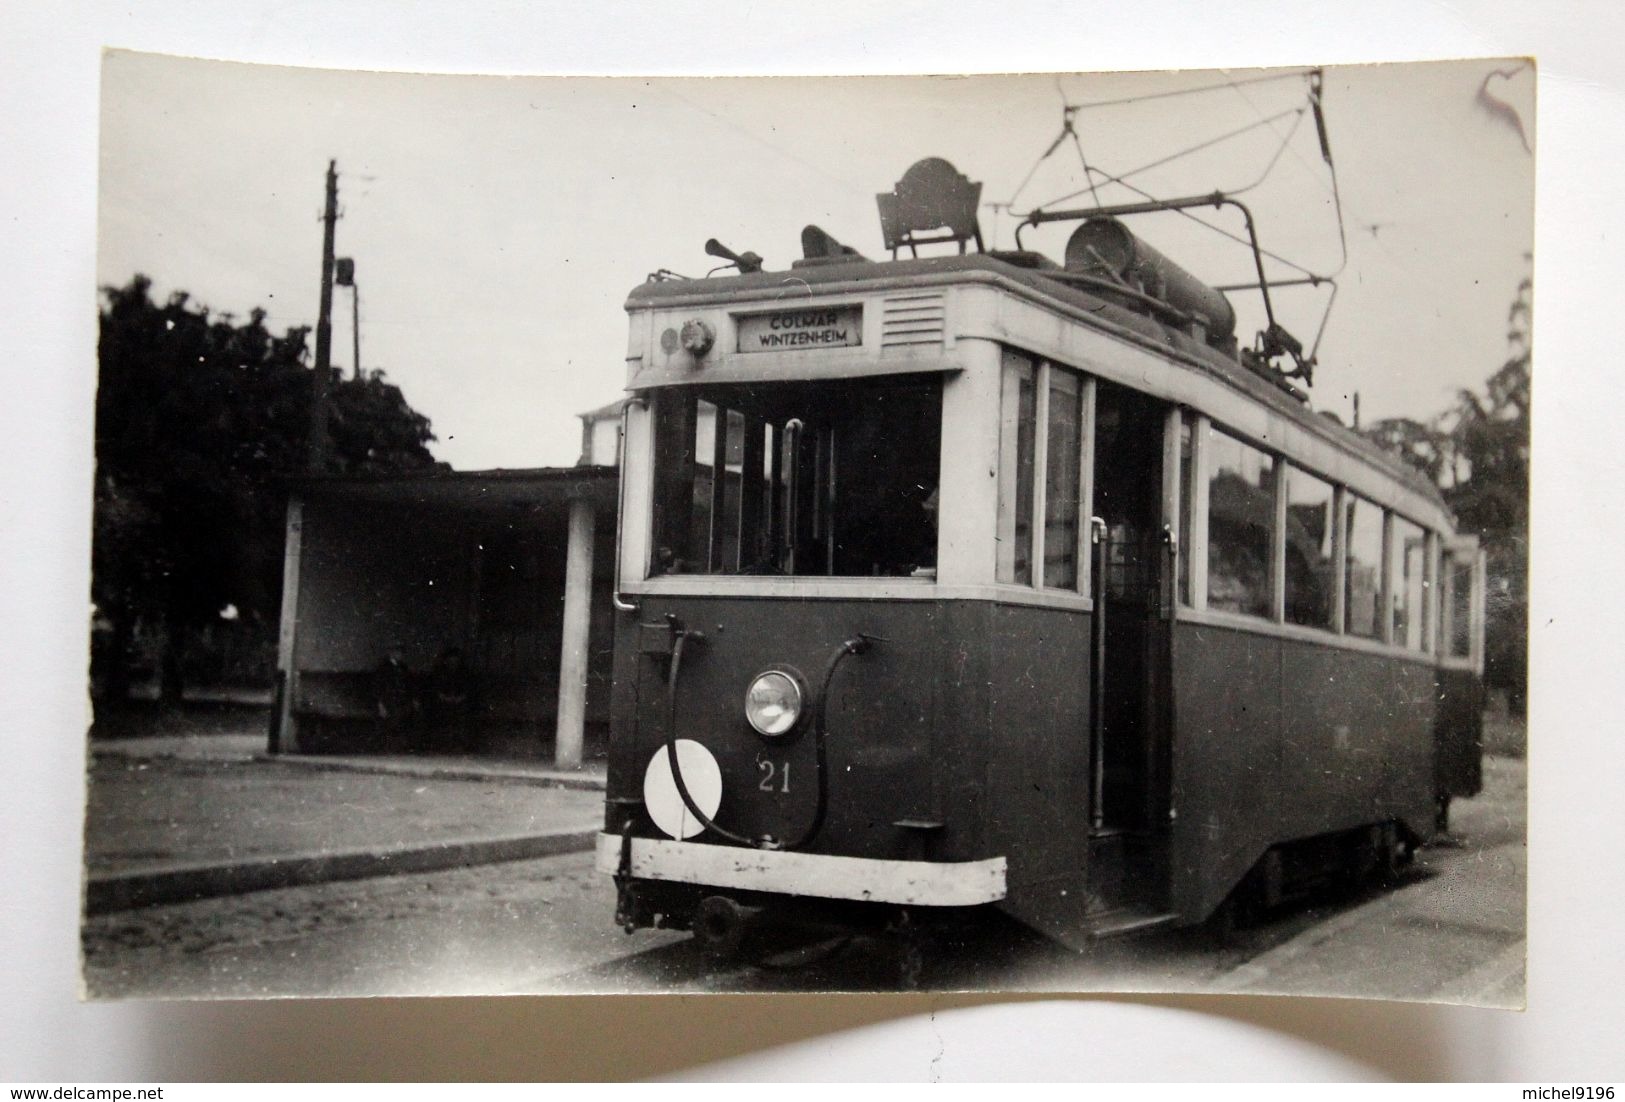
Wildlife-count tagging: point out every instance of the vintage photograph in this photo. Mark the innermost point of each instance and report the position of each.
(1048, 532)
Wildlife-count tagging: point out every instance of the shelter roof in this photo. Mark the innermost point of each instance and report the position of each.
(500, 491)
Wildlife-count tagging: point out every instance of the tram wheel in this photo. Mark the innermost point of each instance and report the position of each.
(1393, 854)
(908, 951)
(1270, 882)
(1240, 910)
(910, 965)
(721, 926)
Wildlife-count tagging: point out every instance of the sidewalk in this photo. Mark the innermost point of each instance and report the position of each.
(176, 818)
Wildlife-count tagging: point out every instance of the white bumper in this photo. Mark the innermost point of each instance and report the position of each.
(915, 883)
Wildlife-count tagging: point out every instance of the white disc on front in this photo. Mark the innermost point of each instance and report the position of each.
(701, 776)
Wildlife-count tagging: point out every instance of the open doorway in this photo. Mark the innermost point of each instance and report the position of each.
(1128, 482)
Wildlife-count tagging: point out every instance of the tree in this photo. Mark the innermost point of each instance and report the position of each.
(1490, 440)
(200, 422)
(1421, 445)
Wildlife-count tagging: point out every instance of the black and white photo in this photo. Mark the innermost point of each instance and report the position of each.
(1056, 532)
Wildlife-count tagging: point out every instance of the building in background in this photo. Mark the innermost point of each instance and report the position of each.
(460, 612)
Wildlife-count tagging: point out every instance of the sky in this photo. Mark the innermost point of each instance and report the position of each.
(498, 223)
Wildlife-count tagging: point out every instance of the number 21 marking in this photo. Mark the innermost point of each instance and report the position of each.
(768, 770)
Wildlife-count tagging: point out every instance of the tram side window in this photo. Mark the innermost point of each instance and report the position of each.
(1187, 502)
(1362, 579)
(1061, 479)
(1409, 584)
(1018, 436)
(1311, 565)
(1458, 595)
(1241, 515)
(1022, 437)
(821, 479)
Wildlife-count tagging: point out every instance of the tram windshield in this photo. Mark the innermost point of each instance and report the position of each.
(833, 479)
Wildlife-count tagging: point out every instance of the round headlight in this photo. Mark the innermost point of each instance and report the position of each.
(773, 703)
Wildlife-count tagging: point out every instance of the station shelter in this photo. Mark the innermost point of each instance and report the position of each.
(446, 611)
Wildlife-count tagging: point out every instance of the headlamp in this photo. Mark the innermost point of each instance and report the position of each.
(774, 703)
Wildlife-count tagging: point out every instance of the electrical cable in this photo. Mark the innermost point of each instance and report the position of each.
(1160, 161)
(1066, 127)
(1286, 144)
(1316, 77)
(855, 645)
(1089, 105)
(1316, 81)
(1077, 144)
(1220, 230)
(858, 644)
(1121, 180)
(672, 675)
(1318, 105)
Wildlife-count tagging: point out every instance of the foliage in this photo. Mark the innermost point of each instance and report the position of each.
(200, 422)
(1421, 445)
(1490, 440)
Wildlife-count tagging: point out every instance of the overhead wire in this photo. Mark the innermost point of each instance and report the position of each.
(1078, 144)
(1208, 144)
(1122, 180)
(1314, 105)
(1220, 230)
(1316, 78)
(1066, 128)
(1027, 179)
(1331, 165)
(1090, 105)
(1286, 144)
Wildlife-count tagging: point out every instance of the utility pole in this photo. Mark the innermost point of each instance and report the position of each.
(316, 456)
(355, 318)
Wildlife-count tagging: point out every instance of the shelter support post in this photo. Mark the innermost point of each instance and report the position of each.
(573, 652)
(285, 731)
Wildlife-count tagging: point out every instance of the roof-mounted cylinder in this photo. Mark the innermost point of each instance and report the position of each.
(1105, 247)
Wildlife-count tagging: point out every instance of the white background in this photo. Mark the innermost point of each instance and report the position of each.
(49, 57)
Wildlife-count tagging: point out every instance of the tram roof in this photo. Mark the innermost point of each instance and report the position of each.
(835, 275)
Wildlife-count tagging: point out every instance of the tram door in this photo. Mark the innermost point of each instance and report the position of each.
(1131, 584)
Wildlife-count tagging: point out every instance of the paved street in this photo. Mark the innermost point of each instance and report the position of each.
(145, 812)
(180, 818)
(1453, 930)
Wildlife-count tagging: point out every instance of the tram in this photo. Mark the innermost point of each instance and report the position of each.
(982, 579)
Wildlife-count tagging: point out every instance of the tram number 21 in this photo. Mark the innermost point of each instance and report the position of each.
(775, 778)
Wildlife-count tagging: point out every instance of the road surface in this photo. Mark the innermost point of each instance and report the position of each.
(1452, 931)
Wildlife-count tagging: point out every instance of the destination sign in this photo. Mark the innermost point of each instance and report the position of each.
(800, 329)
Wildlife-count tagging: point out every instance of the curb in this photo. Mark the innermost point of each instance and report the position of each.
(185, 883)
(584, 782)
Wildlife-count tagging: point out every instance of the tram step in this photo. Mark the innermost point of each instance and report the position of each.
(1122, 923)
(1124, 873)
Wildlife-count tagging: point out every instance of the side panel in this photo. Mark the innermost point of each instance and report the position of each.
(1459, 733)
(1357, 742)
(963, 696)
(1038, 762)
(1280, 739)
(1227, 789)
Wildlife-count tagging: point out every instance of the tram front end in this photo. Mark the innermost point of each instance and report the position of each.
(790, 687)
